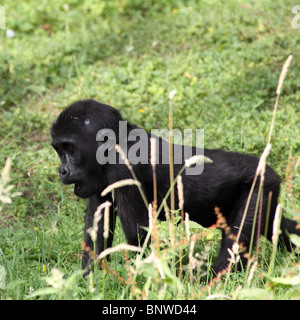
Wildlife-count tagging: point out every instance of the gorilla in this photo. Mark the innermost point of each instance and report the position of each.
(87, 128)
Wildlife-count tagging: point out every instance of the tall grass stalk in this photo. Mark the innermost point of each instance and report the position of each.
(268, 214)
(155, 236)
(181, 203)
(171, 172)
(189, 162)
(106, 223)
(278, 91)
(125, 159)
(262, 163)
(275, 237)
(261, 168)
(171, 156)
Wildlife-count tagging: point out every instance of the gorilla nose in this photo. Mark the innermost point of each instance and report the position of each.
(64, 172)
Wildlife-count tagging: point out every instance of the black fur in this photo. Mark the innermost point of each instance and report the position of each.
(224, 183)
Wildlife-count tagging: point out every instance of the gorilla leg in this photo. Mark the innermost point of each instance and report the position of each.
(234, 222)
(133, 214)
(93, 204)
(288, 227)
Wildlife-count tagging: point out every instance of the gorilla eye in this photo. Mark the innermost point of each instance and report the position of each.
(69, 148)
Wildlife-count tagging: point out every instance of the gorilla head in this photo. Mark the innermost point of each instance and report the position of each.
(74, 139)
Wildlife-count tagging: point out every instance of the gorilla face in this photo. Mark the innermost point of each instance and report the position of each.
(74, 139)
(77, 166)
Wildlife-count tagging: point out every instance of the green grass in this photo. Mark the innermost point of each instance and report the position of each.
(223, 58)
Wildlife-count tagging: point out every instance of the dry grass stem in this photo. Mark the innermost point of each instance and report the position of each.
(276, 225)
(129, 166)
(93, 231)
(251, 273)
(198, 159)
(283, 74)
(187, 226)
(6, 193)
(278, 91)
(117, 248)
(171, 156)
(150, 217)
(153, 160)
(275, 237)
(120, 184)
(106, 224)
(123, 156)
(262, 161)
(180, 203)
(180, 192)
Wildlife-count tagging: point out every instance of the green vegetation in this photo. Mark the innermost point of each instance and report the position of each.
(222, 57)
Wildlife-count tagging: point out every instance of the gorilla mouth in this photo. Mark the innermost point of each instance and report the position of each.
(78, 185)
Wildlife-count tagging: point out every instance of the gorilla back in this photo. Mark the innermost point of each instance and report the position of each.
(87, 126)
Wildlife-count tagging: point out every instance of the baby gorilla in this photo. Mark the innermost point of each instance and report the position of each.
(224, 183)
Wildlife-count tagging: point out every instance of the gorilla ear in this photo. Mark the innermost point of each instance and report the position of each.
(110, 142)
